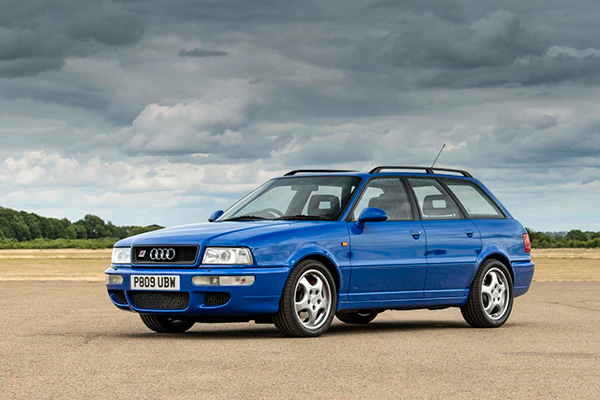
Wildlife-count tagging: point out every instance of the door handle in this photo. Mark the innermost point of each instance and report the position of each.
(416, 234)
(469, 233)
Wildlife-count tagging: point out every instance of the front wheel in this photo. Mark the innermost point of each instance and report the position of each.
(491, 299)
(308, 301)
(162, 324)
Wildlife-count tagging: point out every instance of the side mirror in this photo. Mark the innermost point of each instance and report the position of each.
(371, 214)
(215, 215)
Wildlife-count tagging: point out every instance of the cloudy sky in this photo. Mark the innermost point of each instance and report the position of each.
(162, 111)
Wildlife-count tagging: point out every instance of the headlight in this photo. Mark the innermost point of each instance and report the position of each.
(227, 255)
(121, 255)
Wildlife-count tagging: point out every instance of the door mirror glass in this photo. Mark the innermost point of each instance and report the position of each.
(214, 216)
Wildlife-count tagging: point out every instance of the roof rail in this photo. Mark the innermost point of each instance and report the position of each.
(300, 171)
(428, 170)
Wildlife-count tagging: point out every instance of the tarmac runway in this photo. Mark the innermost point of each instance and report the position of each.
(64, 339)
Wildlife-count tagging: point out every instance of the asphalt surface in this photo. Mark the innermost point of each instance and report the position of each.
(66, 340)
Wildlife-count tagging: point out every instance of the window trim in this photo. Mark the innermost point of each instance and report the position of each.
(461, 211)
(358, 197)
(482, 192)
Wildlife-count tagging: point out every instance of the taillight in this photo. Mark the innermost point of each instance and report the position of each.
(526, 243)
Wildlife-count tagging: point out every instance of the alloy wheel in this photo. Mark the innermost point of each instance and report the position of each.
(312, 299)
(495, 293)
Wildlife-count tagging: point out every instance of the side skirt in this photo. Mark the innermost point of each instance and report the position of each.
(402, 304)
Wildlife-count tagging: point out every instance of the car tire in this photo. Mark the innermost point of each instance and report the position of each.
(356, 317)
(162, 324)
(491, 297)
(308, 301)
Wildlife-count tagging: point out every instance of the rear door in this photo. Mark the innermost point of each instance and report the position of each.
(388, 257)
(453, 242)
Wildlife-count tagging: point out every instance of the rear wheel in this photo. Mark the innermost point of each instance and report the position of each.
(491, 299)
(308, 301)
(356, 317)
(162, 324)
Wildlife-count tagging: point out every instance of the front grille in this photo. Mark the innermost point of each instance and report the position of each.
(181, 255)
(118, 296)
(216, 299)
(160, 300)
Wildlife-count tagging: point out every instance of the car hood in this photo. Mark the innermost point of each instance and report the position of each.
(202, 233)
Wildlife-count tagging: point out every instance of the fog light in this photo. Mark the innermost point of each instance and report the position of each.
(243, 280)
(112, 279)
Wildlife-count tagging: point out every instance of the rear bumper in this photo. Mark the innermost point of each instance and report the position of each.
(260, 298)
(523, 271)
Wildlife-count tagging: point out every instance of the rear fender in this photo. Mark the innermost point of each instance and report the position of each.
(495, 251)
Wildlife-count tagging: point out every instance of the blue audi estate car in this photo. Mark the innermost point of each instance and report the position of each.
(316, 244)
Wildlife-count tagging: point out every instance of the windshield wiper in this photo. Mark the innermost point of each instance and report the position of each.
(303, 217)
(245, 218)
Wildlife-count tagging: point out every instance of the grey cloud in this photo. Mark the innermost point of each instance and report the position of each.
(496, 39)
(42, 35)
(29, 66)
(109, 25)
(338, 148)
(223, 129)
(200, 53)
(545, 121)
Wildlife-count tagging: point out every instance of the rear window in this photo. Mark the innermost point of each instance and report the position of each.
(476, 203)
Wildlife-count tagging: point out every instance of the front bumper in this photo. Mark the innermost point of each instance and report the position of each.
(260, 298)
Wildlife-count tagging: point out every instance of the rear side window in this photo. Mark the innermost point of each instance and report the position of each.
(434, 201)
(475, 202)
(388, 194)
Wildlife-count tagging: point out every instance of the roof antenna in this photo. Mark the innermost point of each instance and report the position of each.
(438, 156)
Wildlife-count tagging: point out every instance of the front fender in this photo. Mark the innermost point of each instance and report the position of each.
(309, 250)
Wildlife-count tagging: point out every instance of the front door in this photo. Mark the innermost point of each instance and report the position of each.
(388, 257)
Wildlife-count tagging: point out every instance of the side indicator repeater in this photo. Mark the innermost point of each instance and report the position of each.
(344, 244)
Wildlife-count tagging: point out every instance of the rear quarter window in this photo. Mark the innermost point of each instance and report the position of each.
(474, 200)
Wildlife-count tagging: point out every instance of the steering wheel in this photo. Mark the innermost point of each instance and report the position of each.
(273, 211)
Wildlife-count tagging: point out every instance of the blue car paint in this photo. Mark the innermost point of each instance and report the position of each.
(388, 262)
(384, 265)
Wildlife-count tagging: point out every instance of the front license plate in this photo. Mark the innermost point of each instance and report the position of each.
(154, 282)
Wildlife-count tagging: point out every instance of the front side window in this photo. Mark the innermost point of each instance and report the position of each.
(434, 201)
(388, 194)
(473, 200)
(303, 197)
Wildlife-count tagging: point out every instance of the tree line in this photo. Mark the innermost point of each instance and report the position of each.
(573, 238)
(21, 226)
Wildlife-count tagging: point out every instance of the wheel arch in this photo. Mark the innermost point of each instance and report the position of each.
(328, 263)
(499, 256)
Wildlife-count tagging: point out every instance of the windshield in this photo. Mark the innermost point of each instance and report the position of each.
(310, 198)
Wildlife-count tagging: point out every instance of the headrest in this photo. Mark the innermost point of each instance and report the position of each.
(437, 204)
(324, 205)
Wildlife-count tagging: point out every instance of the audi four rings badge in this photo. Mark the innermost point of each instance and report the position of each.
(162, 254)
